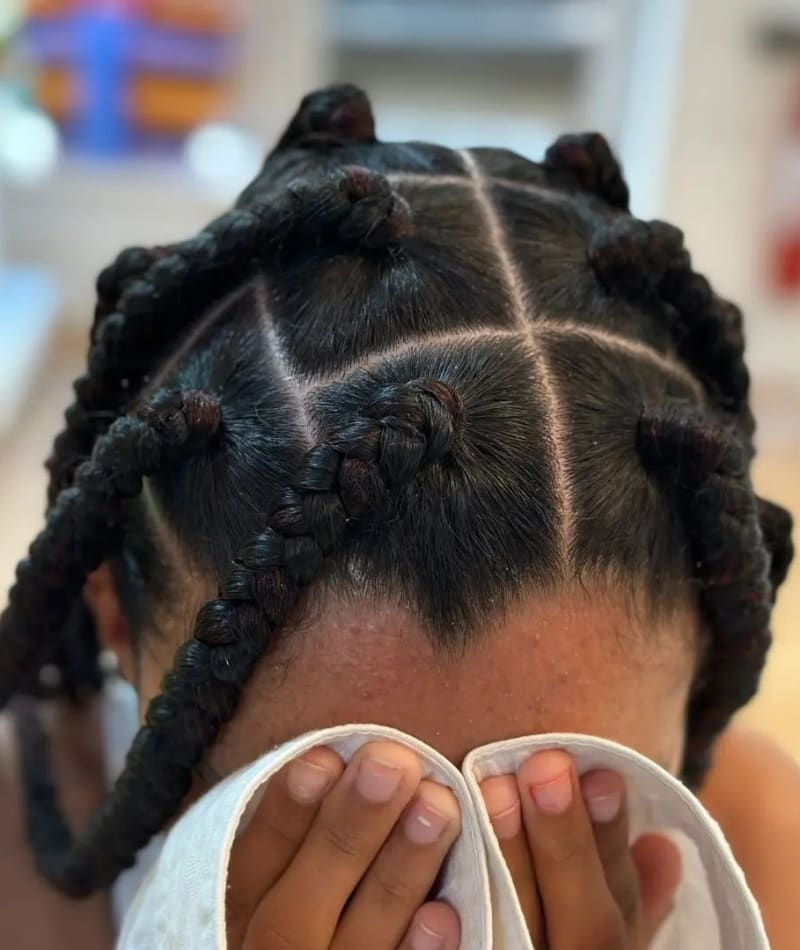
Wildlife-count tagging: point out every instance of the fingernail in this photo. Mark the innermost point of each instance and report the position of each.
(501, 797)
(377, 781)
(551, 788)
(307, 782)
(424, 939)
(507, 823)
(604, 808)
(423, 824)
(602, 792)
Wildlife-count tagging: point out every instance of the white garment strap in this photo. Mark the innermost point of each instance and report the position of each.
(181, 904)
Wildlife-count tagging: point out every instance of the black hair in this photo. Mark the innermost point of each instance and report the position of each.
(393, 367)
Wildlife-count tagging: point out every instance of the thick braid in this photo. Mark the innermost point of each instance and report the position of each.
(162, 291)
(344, 484)
(75, 442)
(647, 262)
(703, 471)
(353, 206)
(586, 163)
(129, 264)
(151, 311)
(709, 338)
(84, 525)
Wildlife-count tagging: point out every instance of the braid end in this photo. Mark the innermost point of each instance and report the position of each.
(379, 216)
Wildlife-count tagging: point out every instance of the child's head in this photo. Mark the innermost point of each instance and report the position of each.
(449, 439)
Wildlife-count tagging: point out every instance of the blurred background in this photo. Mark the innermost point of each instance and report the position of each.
(135, 121)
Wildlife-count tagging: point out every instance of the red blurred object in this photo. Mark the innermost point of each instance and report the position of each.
(785, 243)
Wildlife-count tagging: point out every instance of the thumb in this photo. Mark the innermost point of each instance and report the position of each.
(658, 866)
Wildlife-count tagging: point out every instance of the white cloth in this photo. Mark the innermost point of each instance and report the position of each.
(181, 904)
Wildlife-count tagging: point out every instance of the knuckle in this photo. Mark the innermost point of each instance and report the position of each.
(274, 937)
(567, 848)
(342, 840)
(397, 890)
(284, 833)
(608, 931)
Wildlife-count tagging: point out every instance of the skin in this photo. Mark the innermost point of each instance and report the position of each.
(536, 670)
(293, 873)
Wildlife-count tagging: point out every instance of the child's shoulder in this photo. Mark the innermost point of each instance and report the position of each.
(34, 916)
(753, 791)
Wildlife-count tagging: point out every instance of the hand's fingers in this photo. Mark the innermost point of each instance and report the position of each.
(403, 873)
(578, 908)
(658, 863)
(604, 795)
(275, 832)
(435, 927)
(501, 796)
(354, 820)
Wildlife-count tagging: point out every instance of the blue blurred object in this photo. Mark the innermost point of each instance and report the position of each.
(101, 127)
(104, 48)
(29, 301)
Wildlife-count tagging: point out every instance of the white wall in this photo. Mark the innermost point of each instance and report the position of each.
(729, 109)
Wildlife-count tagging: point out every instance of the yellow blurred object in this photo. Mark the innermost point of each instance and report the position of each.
(202, 16)
(57, 92)
(49, 8)
(172, 104)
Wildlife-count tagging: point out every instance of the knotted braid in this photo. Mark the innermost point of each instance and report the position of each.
(148, 298)
(347, 277)
(703, 471)
(586, 163)
(741, 545)
(327, 116)
(156, 303)
(647, 262)
(343, 484)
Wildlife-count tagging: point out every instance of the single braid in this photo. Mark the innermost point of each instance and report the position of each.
(703, 471)
(648, 263)
(709, 338)
(75, 442)
(129, 264)
(343, 484)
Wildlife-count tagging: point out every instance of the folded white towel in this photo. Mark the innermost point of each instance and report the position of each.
(181, 903)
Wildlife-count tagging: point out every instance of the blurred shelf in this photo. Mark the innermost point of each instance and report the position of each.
(464, 26)
(75, 223)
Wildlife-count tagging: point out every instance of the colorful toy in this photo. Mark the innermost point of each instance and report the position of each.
(114, 72)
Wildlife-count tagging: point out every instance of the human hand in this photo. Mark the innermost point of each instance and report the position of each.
(565, 840)
(343, 857)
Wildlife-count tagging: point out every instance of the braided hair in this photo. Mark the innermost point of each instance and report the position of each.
(391, 367)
